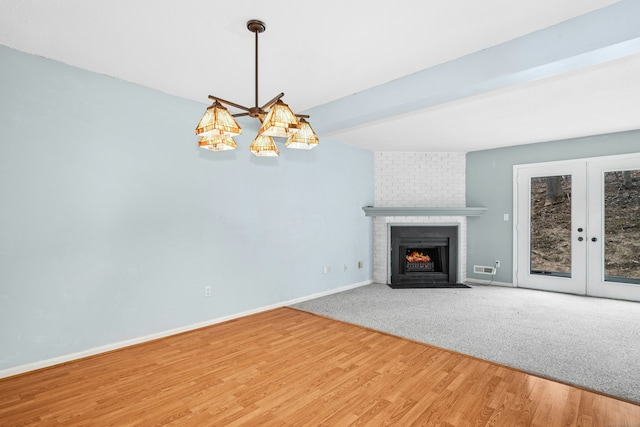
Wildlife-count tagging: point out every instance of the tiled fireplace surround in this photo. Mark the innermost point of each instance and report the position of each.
(404, 179)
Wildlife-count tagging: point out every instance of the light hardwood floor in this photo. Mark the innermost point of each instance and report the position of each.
(288, 367)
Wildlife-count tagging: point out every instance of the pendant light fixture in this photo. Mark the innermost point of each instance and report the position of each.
(218, 127)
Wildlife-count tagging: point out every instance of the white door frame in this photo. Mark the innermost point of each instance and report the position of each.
(594, 276)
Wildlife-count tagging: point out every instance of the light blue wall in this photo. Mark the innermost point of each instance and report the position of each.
(112, 221)
(489, 183)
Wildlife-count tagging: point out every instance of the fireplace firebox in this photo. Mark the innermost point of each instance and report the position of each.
(422, 256)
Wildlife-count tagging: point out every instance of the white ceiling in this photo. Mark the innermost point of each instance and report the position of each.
(320, 52)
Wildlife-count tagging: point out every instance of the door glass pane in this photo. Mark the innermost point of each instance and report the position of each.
(551, 225)
(622, 226)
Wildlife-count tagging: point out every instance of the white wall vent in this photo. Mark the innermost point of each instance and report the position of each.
(483, 269)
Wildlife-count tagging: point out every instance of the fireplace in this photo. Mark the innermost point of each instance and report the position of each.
(423, 255)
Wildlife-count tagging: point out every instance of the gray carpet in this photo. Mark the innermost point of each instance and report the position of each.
(590, 342)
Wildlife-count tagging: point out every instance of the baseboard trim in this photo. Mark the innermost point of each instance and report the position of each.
(41, 364)
(489, 282)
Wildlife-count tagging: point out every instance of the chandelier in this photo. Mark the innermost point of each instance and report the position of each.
(218, 127)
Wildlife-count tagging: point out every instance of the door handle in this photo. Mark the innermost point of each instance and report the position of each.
(580, 230)
(580, 239)
(594, 239)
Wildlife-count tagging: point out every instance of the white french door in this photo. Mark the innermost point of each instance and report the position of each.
(578, 227)
(551, 233)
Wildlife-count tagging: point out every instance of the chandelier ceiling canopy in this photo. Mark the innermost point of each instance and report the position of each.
(218, 126)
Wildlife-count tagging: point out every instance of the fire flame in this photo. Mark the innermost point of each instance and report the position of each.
(416, 256)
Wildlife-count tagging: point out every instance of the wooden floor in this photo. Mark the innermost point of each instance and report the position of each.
(287, 367)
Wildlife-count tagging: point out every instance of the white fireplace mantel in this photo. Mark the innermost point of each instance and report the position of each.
(423, 211)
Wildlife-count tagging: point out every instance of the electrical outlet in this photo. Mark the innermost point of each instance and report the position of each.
(326, 269)
(497, 264)
(207, 291)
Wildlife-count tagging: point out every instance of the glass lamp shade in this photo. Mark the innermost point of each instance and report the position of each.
(264, 146)
(305, 139)
(280, 121)
(217, 143)
(218, 122)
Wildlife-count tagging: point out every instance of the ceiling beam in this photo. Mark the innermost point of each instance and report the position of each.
(602, 35)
